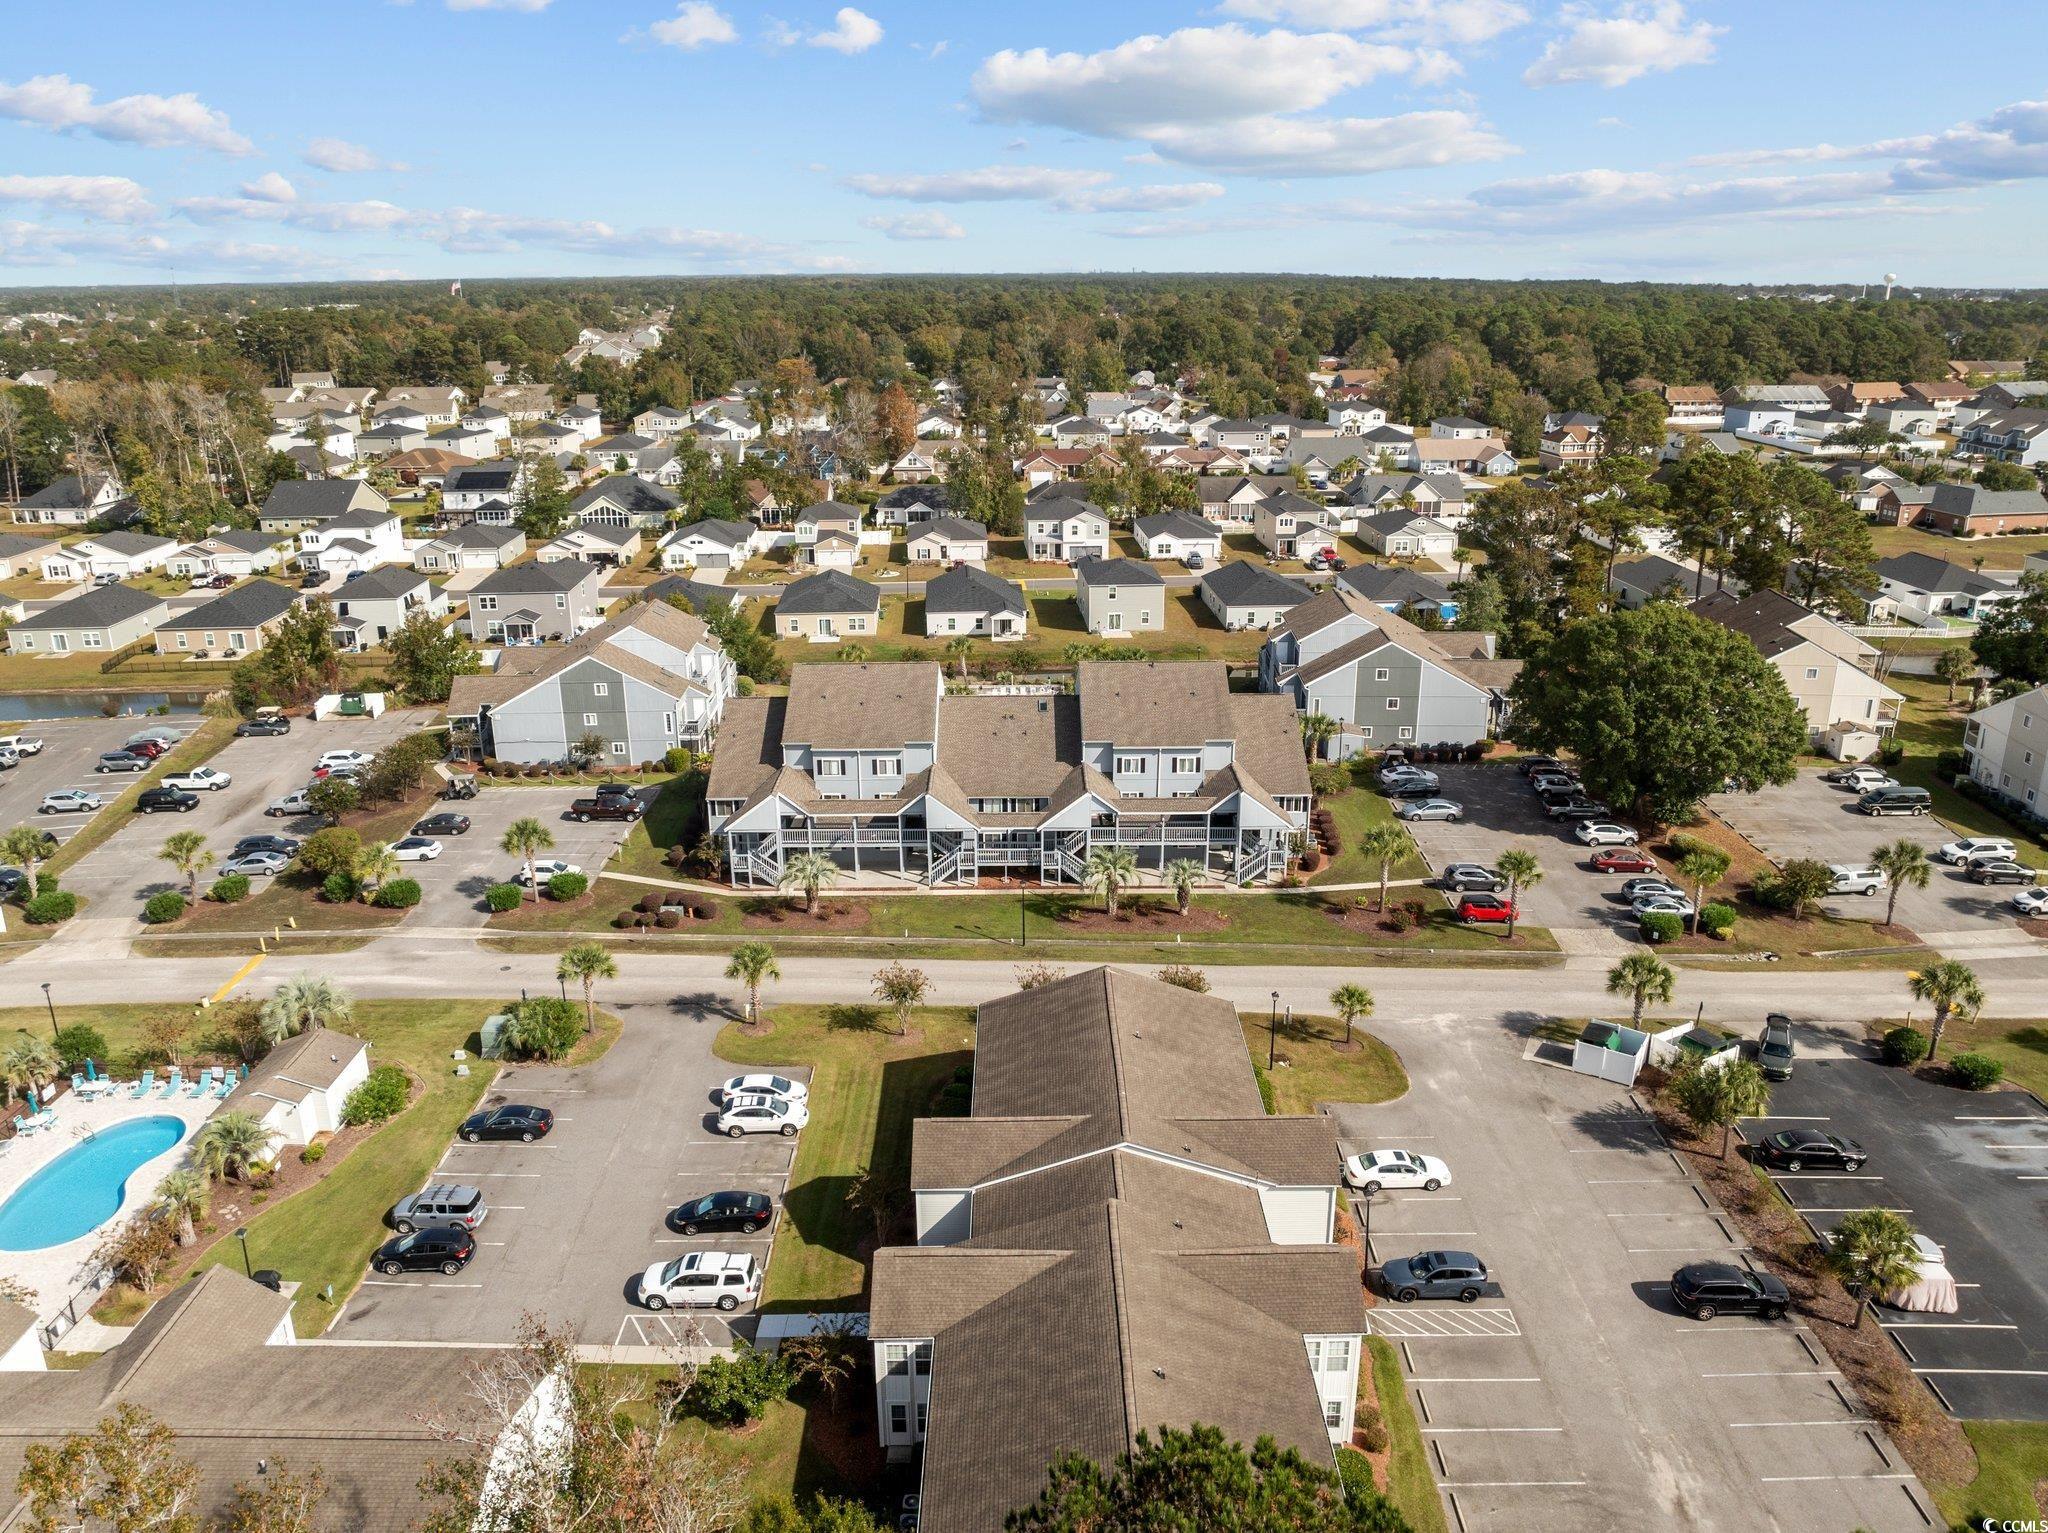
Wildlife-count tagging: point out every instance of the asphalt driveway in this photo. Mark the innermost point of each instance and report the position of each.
(70, 749)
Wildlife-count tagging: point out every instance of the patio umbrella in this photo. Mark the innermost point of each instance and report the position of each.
(34, 1102)
(90, 1073)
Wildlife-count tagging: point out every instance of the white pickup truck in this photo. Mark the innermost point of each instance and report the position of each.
(203, 779)
(21, 745)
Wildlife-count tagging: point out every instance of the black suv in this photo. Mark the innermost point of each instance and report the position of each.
(1794, 1149)
(509, 1122)
(156, 800)
(742, 1211)
(1706, 1289)
(445, 1250)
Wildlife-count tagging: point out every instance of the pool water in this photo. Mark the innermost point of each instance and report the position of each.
(85, 1186)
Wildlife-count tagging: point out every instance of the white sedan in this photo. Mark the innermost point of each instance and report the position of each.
(69, 801)
(416, 849)
(543, 870)
(762, 1115)
(1376, 1170)
(2031, 902)
(1605, 833)
(764, 1085)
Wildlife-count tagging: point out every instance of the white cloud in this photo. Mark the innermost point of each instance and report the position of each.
(1143, 199)
(991, 183)
(345, 158)
(696, 24)
(27, 244)
(270, 187)
(851, 32)
(2009, 144)
(915, 226)
(1229, 99)
(1454, 23)
(115, 199)
(1638, 39)
(61, 104)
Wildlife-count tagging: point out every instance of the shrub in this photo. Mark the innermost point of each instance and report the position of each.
(340, 888)
(1311, 859)
(398, 894)
(167, 906)
(1372, 1429)
(78, 1043)
(567, 886)
(650, 901)
(229, 888)
(625, 920)
(503, 897)
(669, 919)
(382, 1093)
(46, 883)
(1398, 919)
(676, 856)
(1185, 975)
(1905, 1046)
(1948, 763)
(1891, 753)
(1266, 1095)
(542, 1027)
(733, 1391)
(1329, 778)
(1717, 919)
(1976, 1071)
(677, 759)
(1662, 926)
(312, 1153)
(333, 850)
(50, 908)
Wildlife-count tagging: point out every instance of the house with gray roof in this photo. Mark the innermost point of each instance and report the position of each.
(1242, 594)
(945, 539)
(1179, 535)
(1971, 511)
(1061, 525)
(1441, 496)
(106, 619)
(1118, 597)
(702, 595)
(23, 553)
(233, 624)
(713, 544)
(969, 601)
(1923, 589)
(908, 504)
(827, 607)
(295, 505)
(1119, 1239)
(371, 607)
(1653, 577)
(228, 553)
(1290, 525)
(119, 554)
(72, 501)
(535, 603)
(1403, 534)
(610, 544)
(625, 500)
(1402, 589)
(477, 546)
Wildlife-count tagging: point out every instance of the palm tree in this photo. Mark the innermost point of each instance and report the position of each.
(810, 872)
(1351, 1003)
(1643, 978)
(25, 847)
(752, 963)
(28, 1062)
(1383, 844)
(303, 1001)
(904, 989)
(1317, 729)
(1872, 1251)
(1703, 867)
(526, 839)
(587, 963)
(960, 648)
(1951, 988)
(186, 851)
(1184, 873)
(184, 1195)
(374, 864)
(1904, 865)
(231, 1144)
(1955, 666)
(1112, 867)
(1522, 871)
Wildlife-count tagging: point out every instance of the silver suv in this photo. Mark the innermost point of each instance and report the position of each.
(1774, 1047)
(439, 1206)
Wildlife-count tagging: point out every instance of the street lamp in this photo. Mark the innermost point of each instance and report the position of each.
(242, 1237)
(52, 1005)
(1368, 1195)
(1273, 1033)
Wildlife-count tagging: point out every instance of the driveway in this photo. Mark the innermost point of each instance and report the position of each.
(577, 1217)
(70, 748)
(1967, 1169)
(1580, 1398)
(452, 886)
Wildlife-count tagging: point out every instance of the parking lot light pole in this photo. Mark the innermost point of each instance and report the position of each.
(242, 1239)
(1273, 1033)
(1368, 1225)
(52, 1005)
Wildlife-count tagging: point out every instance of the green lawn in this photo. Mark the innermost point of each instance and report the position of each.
(1311, 1068)
(2021, 1045)
(669, 819)
(1997, 553)
(2012, 1460)
(1410, 1484)
(1355, 811)
(287, 903)
(867, 1086)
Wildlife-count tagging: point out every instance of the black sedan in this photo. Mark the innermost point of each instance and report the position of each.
(159, 800)
(284, 846)
(442, 825)
(511, 1121)
(1998, 870)
(1794, 1149)
(1706, 1289)
(445, 1250)
(746, 1212)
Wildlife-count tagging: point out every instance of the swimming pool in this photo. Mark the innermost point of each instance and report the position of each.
(84, 1187)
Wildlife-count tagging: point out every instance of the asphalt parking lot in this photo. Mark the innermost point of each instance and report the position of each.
(1580, 1397)
(70, 749)
(576, 1217)
(1968, 1170)
(452, 886)
(1810, 818)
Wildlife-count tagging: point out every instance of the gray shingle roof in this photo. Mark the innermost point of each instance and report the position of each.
(1178, 524)
(828, 591)
(972, 590)
(246, 606)
(311, 499)
(386, 583)
(99, 608)
(1117, 572)
(953, 529)
(1240, 583)
(525, 579)
(633, 495)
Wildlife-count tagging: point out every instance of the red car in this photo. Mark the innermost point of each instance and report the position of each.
(1474, 908)
(1623, 859)
(150, 748)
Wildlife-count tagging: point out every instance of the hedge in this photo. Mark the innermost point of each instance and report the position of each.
(51, 908)
(1976, 1071)
(1905, 1046)
(383, 1092)
(567, 886)
(1662, 926)
(503, 897)
(167, 906)
(229, 888)
(340, 888)
(398, 894)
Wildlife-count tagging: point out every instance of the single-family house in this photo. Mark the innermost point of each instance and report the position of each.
(371, 607)
(925, 460)
(407, 416)
(1065, 529)
(965, 600)
(2005, 750)
(1644, 578)
(583, 418)
(233, 553)
(1971, 511)
(1403, 589)
(1909, 418)
(1289, 524)
(439, 406)
(1350, 417)
(625, 500)
(119, 554)
(104, 620)
(1769, 409)
(358, 541)
(1858, 399)
(535, 603)
(702, 595)
(1568, 447)
(476, 546)
(294, 505)
(1407, 535)
(233, 624)
(1079, 431)
(23, 553)
(1119, 596)
(426, 467)
(1251, 438)
(602, 543)
(827, 516)
(664, 420)
(908, 504)
(1179, 535)
(381, 442)
(1459, 428)
(827, 607)
(1246, 595)
(1924, 589)
(1830, 673)
(947, 540)
(521, 401)
(1233, 501)
(1944, 394)
(74, 501)
(1439, 496)
(1487, 457)
(482, 492)
(714, 544)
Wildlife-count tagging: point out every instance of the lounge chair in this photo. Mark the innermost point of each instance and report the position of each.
(142, 1087)
(77, 1081)
(171, 1086)
(225, 1086)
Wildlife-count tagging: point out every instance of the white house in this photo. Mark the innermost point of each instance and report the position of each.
(597, 542)
(1924, 589)
(1830, 673)
(1407, 535)
(475, 547)
(2005, 749)
(947, 540)
(352, 543)
(297, 1090)
(711, 545)
(120, 554)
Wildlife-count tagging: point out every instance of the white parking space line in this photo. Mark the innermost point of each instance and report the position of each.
(534, 1175)
(1448, 1431)
(1420, 1325)
(1635, 1181)
(1530, 1379)
(1780, 1373)
(1834, 1421)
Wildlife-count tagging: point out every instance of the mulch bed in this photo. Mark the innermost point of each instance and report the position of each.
(2034, 926)
(1143, 916)
(769, 915)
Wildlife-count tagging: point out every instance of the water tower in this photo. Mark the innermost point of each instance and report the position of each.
(1890, 280)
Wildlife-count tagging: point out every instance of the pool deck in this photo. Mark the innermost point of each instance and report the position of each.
(54, 1273)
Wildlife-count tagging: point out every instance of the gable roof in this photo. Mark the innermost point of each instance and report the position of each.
(863, 706)
(829, 592)
(1765, 618)
(313, 499)
(1924, 572)
(387, 582)
(527, 579)
(522, 669)
(967, 589)
(1972, 500)
(951, 529)
(631, 494)
(1391, 582)
(102, 607)
(244, 606)
(907, 495)
(1117, 572)
(717, 530)
(1241, 583)
(1176, 524)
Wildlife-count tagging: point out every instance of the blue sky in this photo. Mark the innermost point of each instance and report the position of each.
(254, 139)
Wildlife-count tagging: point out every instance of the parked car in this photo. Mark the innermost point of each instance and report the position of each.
(512, 1121)
(746, 1212)
(147, 745)
(22, 745)
(1662, 905)
(257, 864)
(1193, 560)
(444, 1250)
(442, 825)
(157, 800)
(1605, 833)
(762, 1085)
(416, 849)
(543, 870)
(284, 846)
(1463, 877)
(1774, 1047)
(1859, 779)
(1913, 801)
(1856, 878)
(1395, 771)
(1429, 809)
(1437, 1275)
(264, 723)
(345, 758)
(1546, 782)
(442, 1205)
(8, 760)
(122, 761)
(1706, 1289)
(204, 779)
(292, 804)
(11, 880)
(1651, 883)
(1971, 848)
(1411, 787)
(1999, 870)
(1794, 1149)
(702, 1280)
(1375, 1170)
(2031, 902)
(1476, 908)
(1622, 859)
(1578, 809)
(606, 806)
(460, 788)
(762, 1115)
(69, 801)
(1531, 765)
